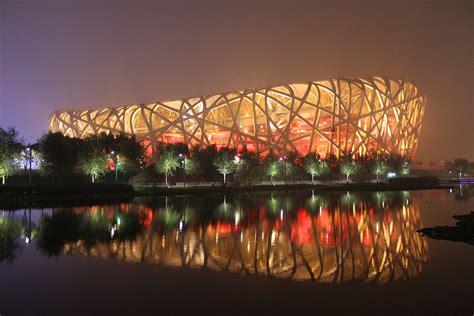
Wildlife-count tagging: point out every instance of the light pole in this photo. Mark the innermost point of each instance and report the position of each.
(28, 150)
(184, 169)
(239, 166)
(284, 164)
(115, 160)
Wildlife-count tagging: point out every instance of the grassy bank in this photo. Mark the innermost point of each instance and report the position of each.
(49, 195)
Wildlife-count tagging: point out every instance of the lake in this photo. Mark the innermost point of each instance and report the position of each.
(298, 251)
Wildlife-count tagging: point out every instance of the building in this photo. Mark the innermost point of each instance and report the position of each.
(336, 116)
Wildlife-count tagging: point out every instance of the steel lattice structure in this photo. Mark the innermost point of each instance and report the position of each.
(333, 116)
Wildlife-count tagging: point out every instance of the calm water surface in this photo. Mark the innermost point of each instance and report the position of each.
(259, 253)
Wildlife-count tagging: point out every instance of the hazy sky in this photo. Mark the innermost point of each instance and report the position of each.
(86, 53)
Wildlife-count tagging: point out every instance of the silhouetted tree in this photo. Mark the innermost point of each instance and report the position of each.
(57, 229)
(204, 158)
(247, 164)
(59, 154)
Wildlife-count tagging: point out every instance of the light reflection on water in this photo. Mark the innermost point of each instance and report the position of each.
(339, 238)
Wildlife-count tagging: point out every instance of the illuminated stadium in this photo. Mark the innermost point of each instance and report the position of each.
(334, 116)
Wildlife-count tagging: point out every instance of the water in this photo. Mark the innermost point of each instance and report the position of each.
(258, 253)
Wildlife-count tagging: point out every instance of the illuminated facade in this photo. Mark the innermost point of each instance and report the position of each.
(331, 116)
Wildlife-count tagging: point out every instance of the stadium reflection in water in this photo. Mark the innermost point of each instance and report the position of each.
(335, 238)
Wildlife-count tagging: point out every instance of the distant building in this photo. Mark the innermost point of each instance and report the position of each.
(331, 116)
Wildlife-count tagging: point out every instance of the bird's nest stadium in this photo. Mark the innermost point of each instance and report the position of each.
(336, 116)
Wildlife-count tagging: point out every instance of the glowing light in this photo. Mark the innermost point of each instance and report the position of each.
(397, 102)
(112, 231)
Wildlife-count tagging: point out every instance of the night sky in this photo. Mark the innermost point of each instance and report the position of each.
(87, 53)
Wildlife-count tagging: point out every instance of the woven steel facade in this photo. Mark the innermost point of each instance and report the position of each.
(335, 116)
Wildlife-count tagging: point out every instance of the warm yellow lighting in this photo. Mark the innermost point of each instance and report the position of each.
(335, 116)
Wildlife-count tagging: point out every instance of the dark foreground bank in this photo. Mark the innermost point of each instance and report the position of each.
(50, 195)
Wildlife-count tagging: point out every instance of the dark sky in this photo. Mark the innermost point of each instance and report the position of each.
(87, 53)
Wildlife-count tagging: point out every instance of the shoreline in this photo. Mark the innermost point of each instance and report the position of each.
(43, 196)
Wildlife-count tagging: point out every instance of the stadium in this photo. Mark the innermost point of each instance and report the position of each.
(336, 116)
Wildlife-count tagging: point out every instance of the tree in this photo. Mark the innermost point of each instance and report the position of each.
(59, 154)
(95, 166)
(10, 152)
(272, 167)
(191, 166)
(167, 163)
(461, 165)
(322, 168)
(398, 164)
(290, 164)
(348, 166)
(224, 161)
(247, 163)
(204, 157)
(131, 153)
(93, 160)
(311, 164)
(379, 167)
(127, 154)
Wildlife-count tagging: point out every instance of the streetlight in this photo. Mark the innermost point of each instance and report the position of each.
(28, 150)
(284, 164)
(184, 169)
(115, 160)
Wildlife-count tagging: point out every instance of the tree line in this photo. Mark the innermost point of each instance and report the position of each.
(250, 165)
(97, 155)
(58, 155)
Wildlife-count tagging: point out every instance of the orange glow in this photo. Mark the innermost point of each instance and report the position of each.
(379, 114)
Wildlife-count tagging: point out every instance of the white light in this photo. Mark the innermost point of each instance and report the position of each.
(391, 175)
(237, 218)
(27, 240)
(181, 225)
(281, 215)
